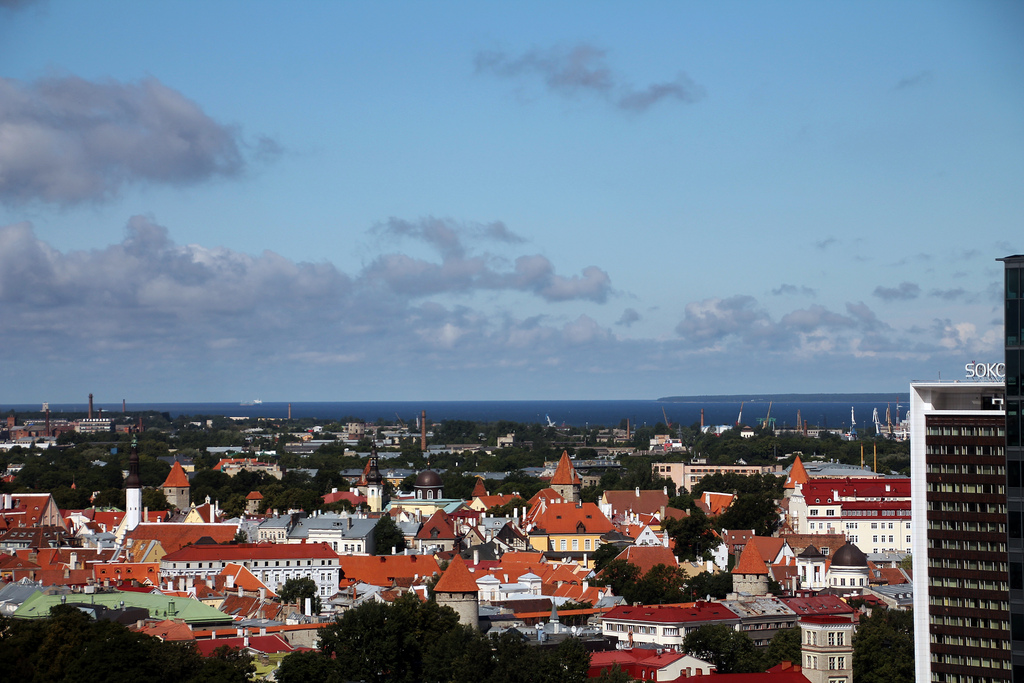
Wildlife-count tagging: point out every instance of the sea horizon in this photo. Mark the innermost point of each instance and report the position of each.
(825, 410)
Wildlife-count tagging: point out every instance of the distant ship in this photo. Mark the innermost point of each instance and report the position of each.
(254, 402)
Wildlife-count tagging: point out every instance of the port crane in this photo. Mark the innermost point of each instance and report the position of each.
(739, 418)
(768, 422)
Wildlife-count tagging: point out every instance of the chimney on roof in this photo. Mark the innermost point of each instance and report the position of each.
(476, 556)
(181, 584)
(263, 596)
(637, 491)
(241, 592)
(74, 561)
(664, 489)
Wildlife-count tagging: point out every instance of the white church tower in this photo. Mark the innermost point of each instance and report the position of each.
(133, 490)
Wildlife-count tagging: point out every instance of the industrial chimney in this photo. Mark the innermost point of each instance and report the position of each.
(423, 431)
(90, 406)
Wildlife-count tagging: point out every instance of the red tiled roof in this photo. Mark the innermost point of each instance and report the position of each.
(254, 495)
(673, 614)
(176, 478)
(565, 473)
(649, 502)
(266, 644)
(478, 489)
(169, 629)
(253, 551)
(456, 579)
(566, 518)
(175, 536)
(648, 556)
(438, 522)
(383, 570)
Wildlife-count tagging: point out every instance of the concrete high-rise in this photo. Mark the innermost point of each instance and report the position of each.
(959, 504)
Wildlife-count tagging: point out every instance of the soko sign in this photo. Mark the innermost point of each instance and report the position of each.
(995, 371)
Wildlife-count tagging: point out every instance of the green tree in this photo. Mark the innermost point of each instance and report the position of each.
(387, 535)
(298, 589)
(756, 511)
(613, 675)
(694, 537)
(883, 647)
(730, 651)
(784, 647)
(307, 667)
(706, 584)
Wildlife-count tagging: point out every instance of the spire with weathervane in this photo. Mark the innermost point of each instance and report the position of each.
(374, 484)
(133, 489)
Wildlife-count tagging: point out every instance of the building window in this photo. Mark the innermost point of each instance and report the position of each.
(575, 544)
(561, 544)
(586, 544)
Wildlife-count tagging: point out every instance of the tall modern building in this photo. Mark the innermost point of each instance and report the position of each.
(959, 507)
(1013, 327)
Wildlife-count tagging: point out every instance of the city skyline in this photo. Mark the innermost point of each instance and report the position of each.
(399, 202)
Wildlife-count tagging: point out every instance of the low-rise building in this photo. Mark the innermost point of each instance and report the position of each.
(271, 563)
(663, 625)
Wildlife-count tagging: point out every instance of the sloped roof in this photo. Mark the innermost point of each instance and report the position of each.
(751, 561)
(383, 570)
(438, 523)
(565, 473)
(253, 495)
(176, 478)
(269, 644)
(169, 629)
(648, 556)
(566, 518)
(456, 579)
(478, 489)
(252, 551)
(768, 546)
(174, 536)
(637, 501)
(797, 475)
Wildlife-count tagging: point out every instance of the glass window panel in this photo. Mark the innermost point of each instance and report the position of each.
(1012, 322)
(1013, 283)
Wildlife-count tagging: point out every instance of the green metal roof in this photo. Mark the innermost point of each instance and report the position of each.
(160, 606)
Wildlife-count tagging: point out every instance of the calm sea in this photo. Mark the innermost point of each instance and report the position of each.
(833, 412)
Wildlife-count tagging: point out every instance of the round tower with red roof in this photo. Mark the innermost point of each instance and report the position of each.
(457, 589)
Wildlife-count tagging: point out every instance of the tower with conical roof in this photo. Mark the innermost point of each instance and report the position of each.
(566, 482)
(457, 589)
(176, 487)
(374, 484)
(797, 477)
(133, 489)
(750, 575)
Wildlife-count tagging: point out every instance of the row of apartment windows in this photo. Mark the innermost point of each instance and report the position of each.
(966, 469)
(959, 506)
(978, 546)
(646, 630)
(965, 430)
(961, 641)
(277, 563)
(964, 449)
(972, 622)
(900, 512)
(972, 565)
(963, 660)
(967, 603)
(987, 489)
(575, 544)
(956, 525)
(834, 663)
(972, 584)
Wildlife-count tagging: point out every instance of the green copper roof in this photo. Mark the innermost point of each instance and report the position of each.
(160, 606)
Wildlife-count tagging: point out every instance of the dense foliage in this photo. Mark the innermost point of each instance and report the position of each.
(69, 646)
(883, 647)
(412, 641)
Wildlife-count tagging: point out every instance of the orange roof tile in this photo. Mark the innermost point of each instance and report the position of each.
(254, 495)
(456, 579)
(478, 490)
(565, 474)
(383, 570)
(566, 518)
(750, 562)
(797, 475)
(175, 536)
(648, 556)
(176, 478)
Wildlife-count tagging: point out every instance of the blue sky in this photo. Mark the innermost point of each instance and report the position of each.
(416, 201)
